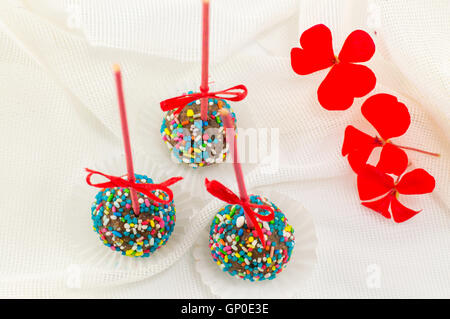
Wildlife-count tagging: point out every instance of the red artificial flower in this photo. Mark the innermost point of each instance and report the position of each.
(380, 192)
(346, 80)
(391, 119)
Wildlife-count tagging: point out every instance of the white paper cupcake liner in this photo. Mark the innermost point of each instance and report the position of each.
(96, 264)
(288, 282)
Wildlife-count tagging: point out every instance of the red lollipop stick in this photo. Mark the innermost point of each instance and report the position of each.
(231, 138)
(126, 137)
(205, 60)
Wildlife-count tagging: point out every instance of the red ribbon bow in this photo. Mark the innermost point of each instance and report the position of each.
(220, 191)
(144, 188)
(235, 93)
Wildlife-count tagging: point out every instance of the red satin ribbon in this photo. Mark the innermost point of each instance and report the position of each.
(235, 93)
(144, 188)
(220, 191)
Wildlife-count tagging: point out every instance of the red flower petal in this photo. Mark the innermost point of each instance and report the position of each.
(316, 52)
(373, 183)
(358, 159)
(358, 47)
(344, 82)
(401, 213)
(358, 145)
(381, 205)
(393, 160)
(389, 117)
(417, 181)
(355, 139)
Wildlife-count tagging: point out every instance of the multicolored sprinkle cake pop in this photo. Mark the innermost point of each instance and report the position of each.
(193, 141)
(192, 128)
(132, 215)
(236, 248)
(250, 238)
(117, 224)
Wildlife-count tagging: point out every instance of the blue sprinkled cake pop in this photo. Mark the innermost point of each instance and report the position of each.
(237, 249)
(250, 238)
(134, 235)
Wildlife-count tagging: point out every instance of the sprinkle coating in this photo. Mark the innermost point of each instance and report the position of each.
(193, 141)
(133, 235)
(238, 251)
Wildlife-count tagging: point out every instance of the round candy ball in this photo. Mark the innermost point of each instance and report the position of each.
(238, 250)
(120, 229)
(193, 141)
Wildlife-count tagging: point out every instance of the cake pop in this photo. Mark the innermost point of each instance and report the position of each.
(250, 238)
(120, 227)
(132, 215)
(193, 141)
(191, 128)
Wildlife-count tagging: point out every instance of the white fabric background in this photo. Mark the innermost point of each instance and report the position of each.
(58, 115)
